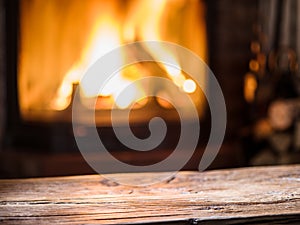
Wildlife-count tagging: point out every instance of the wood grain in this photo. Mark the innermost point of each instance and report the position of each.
(257, 195)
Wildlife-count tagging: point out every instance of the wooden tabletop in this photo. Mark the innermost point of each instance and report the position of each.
(254, 195)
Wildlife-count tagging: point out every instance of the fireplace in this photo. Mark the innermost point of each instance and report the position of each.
(57, 42)
(51, 43)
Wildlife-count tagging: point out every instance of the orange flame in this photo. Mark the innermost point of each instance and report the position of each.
(108, 24)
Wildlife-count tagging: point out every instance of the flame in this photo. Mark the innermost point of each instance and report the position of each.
(105, 36)
(144, 20)
(147, 21)
(147, 18)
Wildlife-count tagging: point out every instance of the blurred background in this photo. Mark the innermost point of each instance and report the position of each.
(252, 47)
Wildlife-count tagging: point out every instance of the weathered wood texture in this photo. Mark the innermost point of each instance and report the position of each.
(257, 195)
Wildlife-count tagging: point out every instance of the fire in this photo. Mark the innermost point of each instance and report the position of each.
(105, 36)
(88, 30)
(151, 27)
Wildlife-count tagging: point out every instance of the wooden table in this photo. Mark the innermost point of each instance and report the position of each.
(248, 195)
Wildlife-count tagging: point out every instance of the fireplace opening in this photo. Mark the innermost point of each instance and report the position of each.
(53, 43)
(49, 45)
(59, 41)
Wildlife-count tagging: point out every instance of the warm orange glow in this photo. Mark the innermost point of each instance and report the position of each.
(60, 41)
(254, 65)
(189, 86)
(250, 85)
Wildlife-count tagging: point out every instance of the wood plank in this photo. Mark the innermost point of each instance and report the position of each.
(263, 195)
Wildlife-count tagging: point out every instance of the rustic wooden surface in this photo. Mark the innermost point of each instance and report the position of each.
(254, 195)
